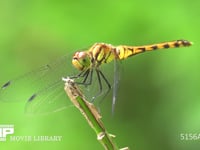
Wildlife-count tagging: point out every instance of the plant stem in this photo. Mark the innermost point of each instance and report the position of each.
(90, 113)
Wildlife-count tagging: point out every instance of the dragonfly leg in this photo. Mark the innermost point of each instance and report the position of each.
(87, 80)
(100, 86)
(108, 84)
(101, 76)
(106, 81)
(87, 75)
(81, 74)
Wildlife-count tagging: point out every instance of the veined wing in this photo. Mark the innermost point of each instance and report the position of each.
(41, 89)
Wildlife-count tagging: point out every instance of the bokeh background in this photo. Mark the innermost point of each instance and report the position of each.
(158, 97)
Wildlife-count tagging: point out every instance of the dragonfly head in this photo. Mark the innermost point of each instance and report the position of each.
(81, 61)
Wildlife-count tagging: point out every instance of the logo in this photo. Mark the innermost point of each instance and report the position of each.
(6, 130)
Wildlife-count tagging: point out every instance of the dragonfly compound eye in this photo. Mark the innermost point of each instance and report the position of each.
(81, 60)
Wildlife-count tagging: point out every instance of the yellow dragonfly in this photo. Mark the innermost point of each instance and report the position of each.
(101, 53)
(87, 62)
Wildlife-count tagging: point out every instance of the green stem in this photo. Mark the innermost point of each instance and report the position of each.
(90, 113)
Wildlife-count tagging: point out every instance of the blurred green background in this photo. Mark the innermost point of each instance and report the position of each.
(158, 97)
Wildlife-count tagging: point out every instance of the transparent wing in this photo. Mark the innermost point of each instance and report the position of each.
(42, 89)
(48, 100)
(115, 83)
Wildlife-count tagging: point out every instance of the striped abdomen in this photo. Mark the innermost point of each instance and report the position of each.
(127, 51)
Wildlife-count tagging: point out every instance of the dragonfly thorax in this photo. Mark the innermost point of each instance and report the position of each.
(102, 53)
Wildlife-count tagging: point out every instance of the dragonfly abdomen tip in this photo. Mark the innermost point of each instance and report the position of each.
(183, 42)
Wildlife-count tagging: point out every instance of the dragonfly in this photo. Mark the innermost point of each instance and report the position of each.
(49, 87)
